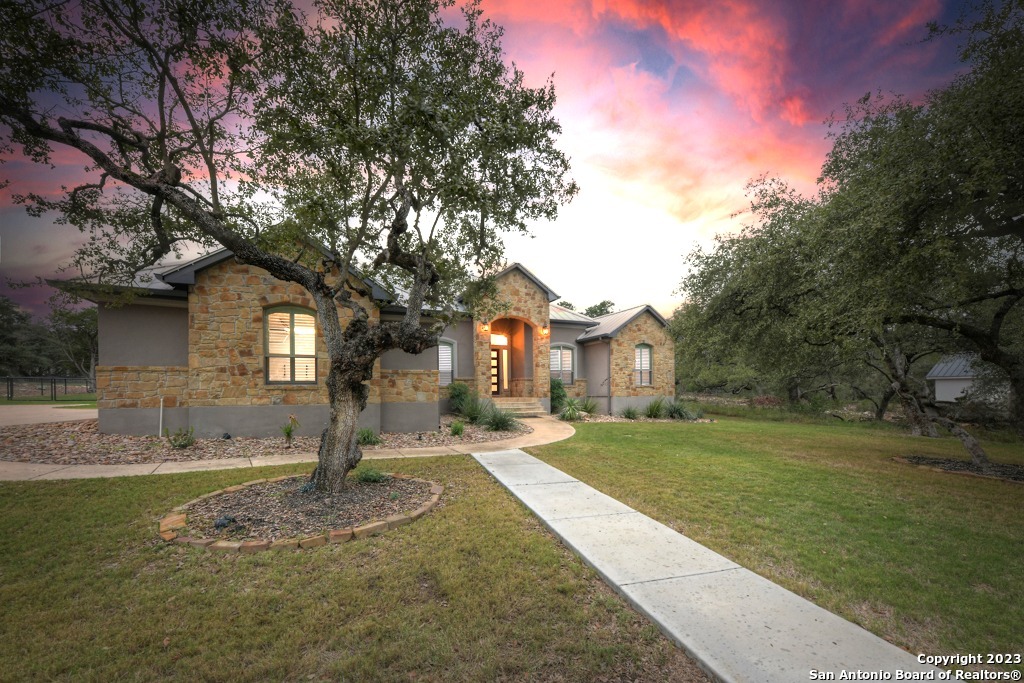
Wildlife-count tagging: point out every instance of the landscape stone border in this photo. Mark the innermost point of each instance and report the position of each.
(177, 519)
(900, 459)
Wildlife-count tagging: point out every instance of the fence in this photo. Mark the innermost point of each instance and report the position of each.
(50, 388)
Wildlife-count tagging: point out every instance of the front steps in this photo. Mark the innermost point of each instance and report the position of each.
(520, 407)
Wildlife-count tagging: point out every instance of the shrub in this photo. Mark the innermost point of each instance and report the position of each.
(458, 393)
(181, 438)
(676, 410)
(370, 475)
(475, 409)
(288, 429)
(498, 420)
(588, 406)
(656, 408)
(458, 427)
(630, 413)
(571, 411)
(558, 396)
(367, 437)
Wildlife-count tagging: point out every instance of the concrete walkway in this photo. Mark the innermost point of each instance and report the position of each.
(30, 415)
(737, 625)
(545, 430)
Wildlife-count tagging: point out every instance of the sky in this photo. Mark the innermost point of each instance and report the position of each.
(668, 109)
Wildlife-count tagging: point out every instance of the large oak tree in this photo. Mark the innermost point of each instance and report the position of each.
(364, 138)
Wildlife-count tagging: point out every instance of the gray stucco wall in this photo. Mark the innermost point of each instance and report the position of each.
(410, 417)
(396, 359)
(140, 334)
(597, 355)
(462, 334)
(620, 403)
(215, 421)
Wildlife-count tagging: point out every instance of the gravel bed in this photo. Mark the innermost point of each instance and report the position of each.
(282, 509)
(995, 469)
(80, 443)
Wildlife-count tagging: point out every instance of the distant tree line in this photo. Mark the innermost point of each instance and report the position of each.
(64, 343)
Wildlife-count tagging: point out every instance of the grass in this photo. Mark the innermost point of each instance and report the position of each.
(932, 562)
(476, 590)
(72, 401)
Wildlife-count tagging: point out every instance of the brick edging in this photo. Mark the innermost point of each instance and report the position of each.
(177, 519)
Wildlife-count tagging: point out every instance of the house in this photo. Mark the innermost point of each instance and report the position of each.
(954, 377)
(226, 348)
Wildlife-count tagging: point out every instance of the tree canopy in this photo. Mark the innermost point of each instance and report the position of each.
(913, 243)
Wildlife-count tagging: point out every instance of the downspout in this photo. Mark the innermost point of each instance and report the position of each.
(610, 385)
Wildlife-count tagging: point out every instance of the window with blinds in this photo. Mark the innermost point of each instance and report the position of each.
(642, 373)
(290, 352)
(446, 362)
(562, 363)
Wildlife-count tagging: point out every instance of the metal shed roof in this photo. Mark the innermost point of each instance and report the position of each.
(953, 367)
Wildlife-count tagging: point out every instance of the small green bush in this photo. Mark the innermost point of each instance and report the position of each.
(458, 393)
(498, 420)
(571, 411)
(367, 437)
(656, 408)
(630, 413)
(558, 396)
(370, 475)
(588, 406)
(475, 409)
(675, 410)
(458, 427)
(181, 438)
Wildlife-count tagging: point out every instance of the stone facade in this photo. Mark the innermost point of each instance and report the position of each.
(528, 303)
(578, 389)
(409, 386)
(141, 386)
(645, 329)
(226, 344)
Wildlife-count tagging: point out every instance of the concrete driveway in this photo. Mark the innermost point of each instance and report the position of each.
(28, 415)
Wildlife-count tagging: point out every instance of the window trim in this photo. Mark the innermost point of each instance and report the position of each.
(455, 359)
(292, 311)
(638, 371)
(575, 354)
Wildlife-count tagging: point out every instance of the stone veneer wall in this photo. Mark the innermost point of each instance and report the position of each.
(409, 386)
(226, 345)
(528, 303)
(577, 389)
(645, 329)
(141, 386)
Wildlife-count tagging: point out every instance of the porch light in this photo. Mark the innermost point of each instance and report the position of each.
(486, 327)
(544, 330)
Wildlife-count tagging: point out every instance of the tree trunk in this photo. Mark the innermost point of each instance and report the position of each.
(339, 444)
(1017, 399)
(883, 405)
(978, 455)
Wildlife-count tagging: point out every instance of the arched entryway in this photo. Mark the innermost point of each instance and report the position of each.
(511, 358)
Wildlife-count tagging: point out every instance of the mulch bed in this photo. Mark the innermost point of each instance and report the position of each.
(80, 443)
(277, 510)
(993, 470)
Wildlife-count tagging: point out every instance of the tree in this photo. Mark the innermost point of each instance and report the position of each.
(367, 139)
(603, 308)
(566, 305)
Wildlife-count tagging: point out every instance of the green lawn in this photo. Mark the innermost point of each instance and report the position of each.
(476, 590)
(932, 562)
(75, 400)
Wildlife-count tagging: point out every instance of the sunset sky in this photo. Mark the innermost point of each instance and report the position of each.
(668, 109)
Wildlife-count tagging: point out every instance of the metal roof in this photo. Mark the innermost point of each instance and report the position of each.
(609, 325)
(561, 314)
(953, 367)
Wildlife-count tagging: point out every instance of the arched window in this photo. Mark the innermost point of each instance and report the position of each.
(643, 373)
(290, 345)
(446, 362)
(563, 363)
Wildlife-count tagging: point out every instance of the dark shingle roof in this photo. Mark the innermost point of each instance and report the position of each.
(609, 325)
(952, 367)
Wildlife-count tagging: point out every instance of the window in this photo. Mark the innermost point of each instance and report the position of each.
(290, 346)
(446, 362)
(562, 363)
(642, 374)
